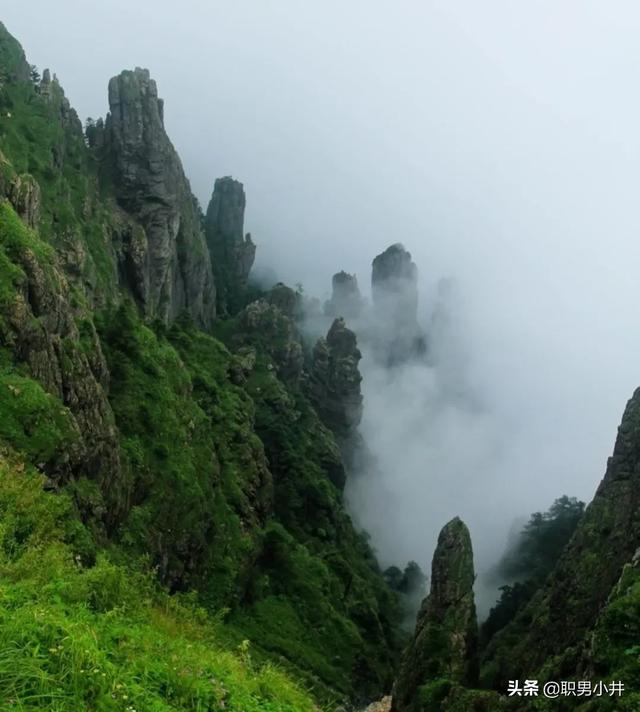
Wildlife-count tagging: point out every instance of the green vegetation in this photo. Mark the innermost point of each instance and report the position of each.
(530, 559)
(42, 137)
(283, 555)
(172, 529)
(78, 631)
(225, 483)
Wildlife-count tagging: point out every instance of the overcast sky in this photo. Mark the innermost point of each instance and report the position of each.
(499, 141)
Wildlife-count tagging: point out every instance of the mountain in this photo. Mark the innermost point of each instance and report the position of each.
(168, 414)
(175, 447)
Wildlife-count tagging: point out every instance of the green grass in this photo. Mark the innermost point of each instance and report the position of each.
(105, 636)
(43, 137)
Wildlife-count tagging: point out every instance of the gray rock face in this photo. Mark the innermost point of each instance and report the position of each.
(334, 382)
(266, 323)
(232, 253)
(445, 641)
(394, 285)
(286, 299)
(40, 330)
(24, 194)
(165, 264)
(346, 300)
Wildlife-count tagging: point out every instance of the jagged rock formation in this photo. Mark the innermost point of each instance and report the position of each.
(24, 194)
(346, 300)
(61, 350)
(232, 253)
(285, 299)
(444, 646)
(394, 287)
(165, 264)
(206, 459)
(334, 383)
(561, 614)
(264, 323)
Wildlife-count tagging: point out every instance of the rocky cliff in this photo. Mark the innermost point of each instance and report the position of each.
(334, 383)
(443, 650)
(232, 252)
(394, 288)
(165, 265)
(346, 300)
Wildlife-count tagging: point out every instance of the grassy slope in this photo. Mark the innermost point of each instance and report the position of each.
(105, 637)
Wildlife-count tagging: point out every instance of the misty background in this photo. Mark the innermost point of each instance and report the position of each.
(497, 141)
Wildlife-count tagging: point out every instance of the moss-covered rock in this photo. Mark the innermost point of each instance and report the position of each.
(443, 651)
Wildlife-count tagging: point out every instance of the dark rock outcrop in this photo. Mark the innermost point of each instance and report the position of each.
(346, 300)
(61, 350)
(286, 299)
(394, 286)
(232, 253)
(265, 324)
(334, 383)
(24, 194)
(444, 646)
(165, 264)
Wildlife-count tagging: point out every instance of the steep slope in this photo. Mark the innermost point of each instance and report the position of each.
(556, 622)
(81, 631)
(232, 252)
(443, 651)
(165, 266)
(207, 460)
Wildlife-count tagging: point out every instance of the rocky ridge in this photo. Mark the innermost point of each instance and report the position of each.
(165, 264)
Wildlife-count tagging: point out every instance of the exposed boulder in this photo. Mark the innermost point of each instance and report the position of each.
(444, 646)
(232, 253)
(165, 265)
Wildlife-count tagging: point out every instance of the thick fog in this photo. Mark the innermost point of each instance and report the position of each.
(498, 141)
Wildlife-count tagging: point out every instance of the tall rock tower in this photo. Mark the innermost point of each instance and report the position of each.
(346, 300)
(163, 260)
(394, 287)
(444, 645)
(232, 253)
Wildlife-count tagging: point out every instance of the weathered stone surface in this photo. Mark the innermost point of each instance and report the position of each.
(334, 382)
(383, 705)
(40, 329)
(285, 299)
(346, 300)
(444, 645)
(24, 194)
(265, 324)
(166, 264)
(394, 285)
(232, 253)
